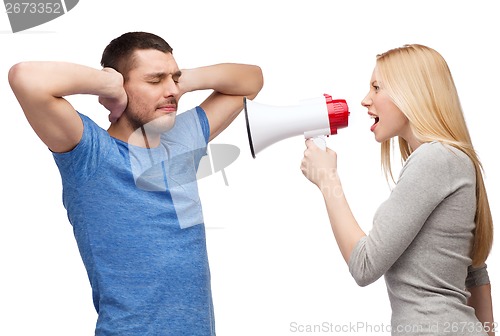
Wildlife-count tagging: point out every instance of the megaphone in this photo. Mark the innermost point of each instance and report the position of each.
(314, 118)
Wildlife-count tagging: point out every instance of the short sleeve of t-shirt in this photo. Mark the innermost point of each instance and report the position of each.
(79, 164)
(192, 129)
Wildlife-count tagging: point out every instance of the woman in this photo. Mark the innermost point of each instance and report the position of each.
(431, 237)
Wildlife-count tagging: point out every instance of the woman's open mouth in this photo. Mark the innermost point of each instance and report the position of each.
(375, 123)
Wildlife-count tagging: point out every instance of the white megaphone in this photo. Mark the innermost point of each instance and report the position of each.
(314, 118)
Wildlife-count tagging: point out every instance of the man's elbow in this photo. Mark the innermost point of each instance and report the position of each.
(29, 82)
(258, 82)
(25, 82)
(16, 76)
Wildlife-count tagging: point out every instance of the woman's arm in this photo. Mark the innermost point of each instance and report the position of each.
(423, 184)
(322, 170)
(480, 300)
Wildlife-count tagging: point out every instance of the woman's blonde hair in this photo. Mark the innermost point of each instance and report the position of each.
(419, 82)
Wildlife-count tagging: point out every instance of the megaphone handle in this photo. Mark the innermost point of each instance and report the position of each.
(320, 141)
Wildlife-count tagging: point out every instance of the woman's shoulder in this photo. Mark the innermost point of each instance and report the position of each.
(439, 152)
(438, 156)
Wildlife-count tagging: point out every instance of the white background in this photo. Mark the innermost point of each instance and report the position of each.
(274, 260)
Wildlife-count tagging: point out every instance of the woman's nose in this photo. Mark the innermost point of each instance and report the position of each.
(367, 101)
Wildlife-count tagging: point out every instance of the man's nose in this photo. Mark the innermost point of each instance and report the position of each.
(171, 88)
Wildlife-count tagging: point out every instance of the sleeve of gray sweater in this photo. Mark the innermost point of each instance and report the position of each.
(425, 181)
(477, 276)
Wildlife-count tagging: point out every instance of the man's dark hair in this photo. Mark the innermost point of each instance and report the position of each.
(119, 54)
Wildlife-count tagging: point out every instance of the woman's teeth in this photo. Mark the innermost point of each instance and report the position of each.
(376, 118)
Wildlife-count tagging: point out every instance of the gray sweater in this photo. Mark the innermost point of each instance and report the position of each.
(420, 242)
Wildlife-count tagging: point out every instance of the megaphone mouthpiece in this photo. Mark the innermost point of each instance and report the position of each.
(338, 113)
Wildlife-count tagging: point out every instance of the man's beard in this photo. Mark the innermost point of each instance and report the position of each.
(157, 125)
(151, 130)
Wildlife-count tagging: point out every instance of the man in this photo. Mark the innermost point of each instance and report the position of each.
(130, 192)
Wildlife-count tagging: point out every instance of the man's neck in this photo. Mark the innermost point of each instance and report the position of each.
(137, 137)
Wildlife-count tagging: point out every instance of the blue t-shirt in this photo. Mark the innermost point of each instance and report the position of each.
(138, 223)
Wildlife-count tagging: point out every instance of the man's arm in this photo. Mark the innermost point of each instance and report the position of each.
(480, 300)
(230, 82)
(41, 86)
